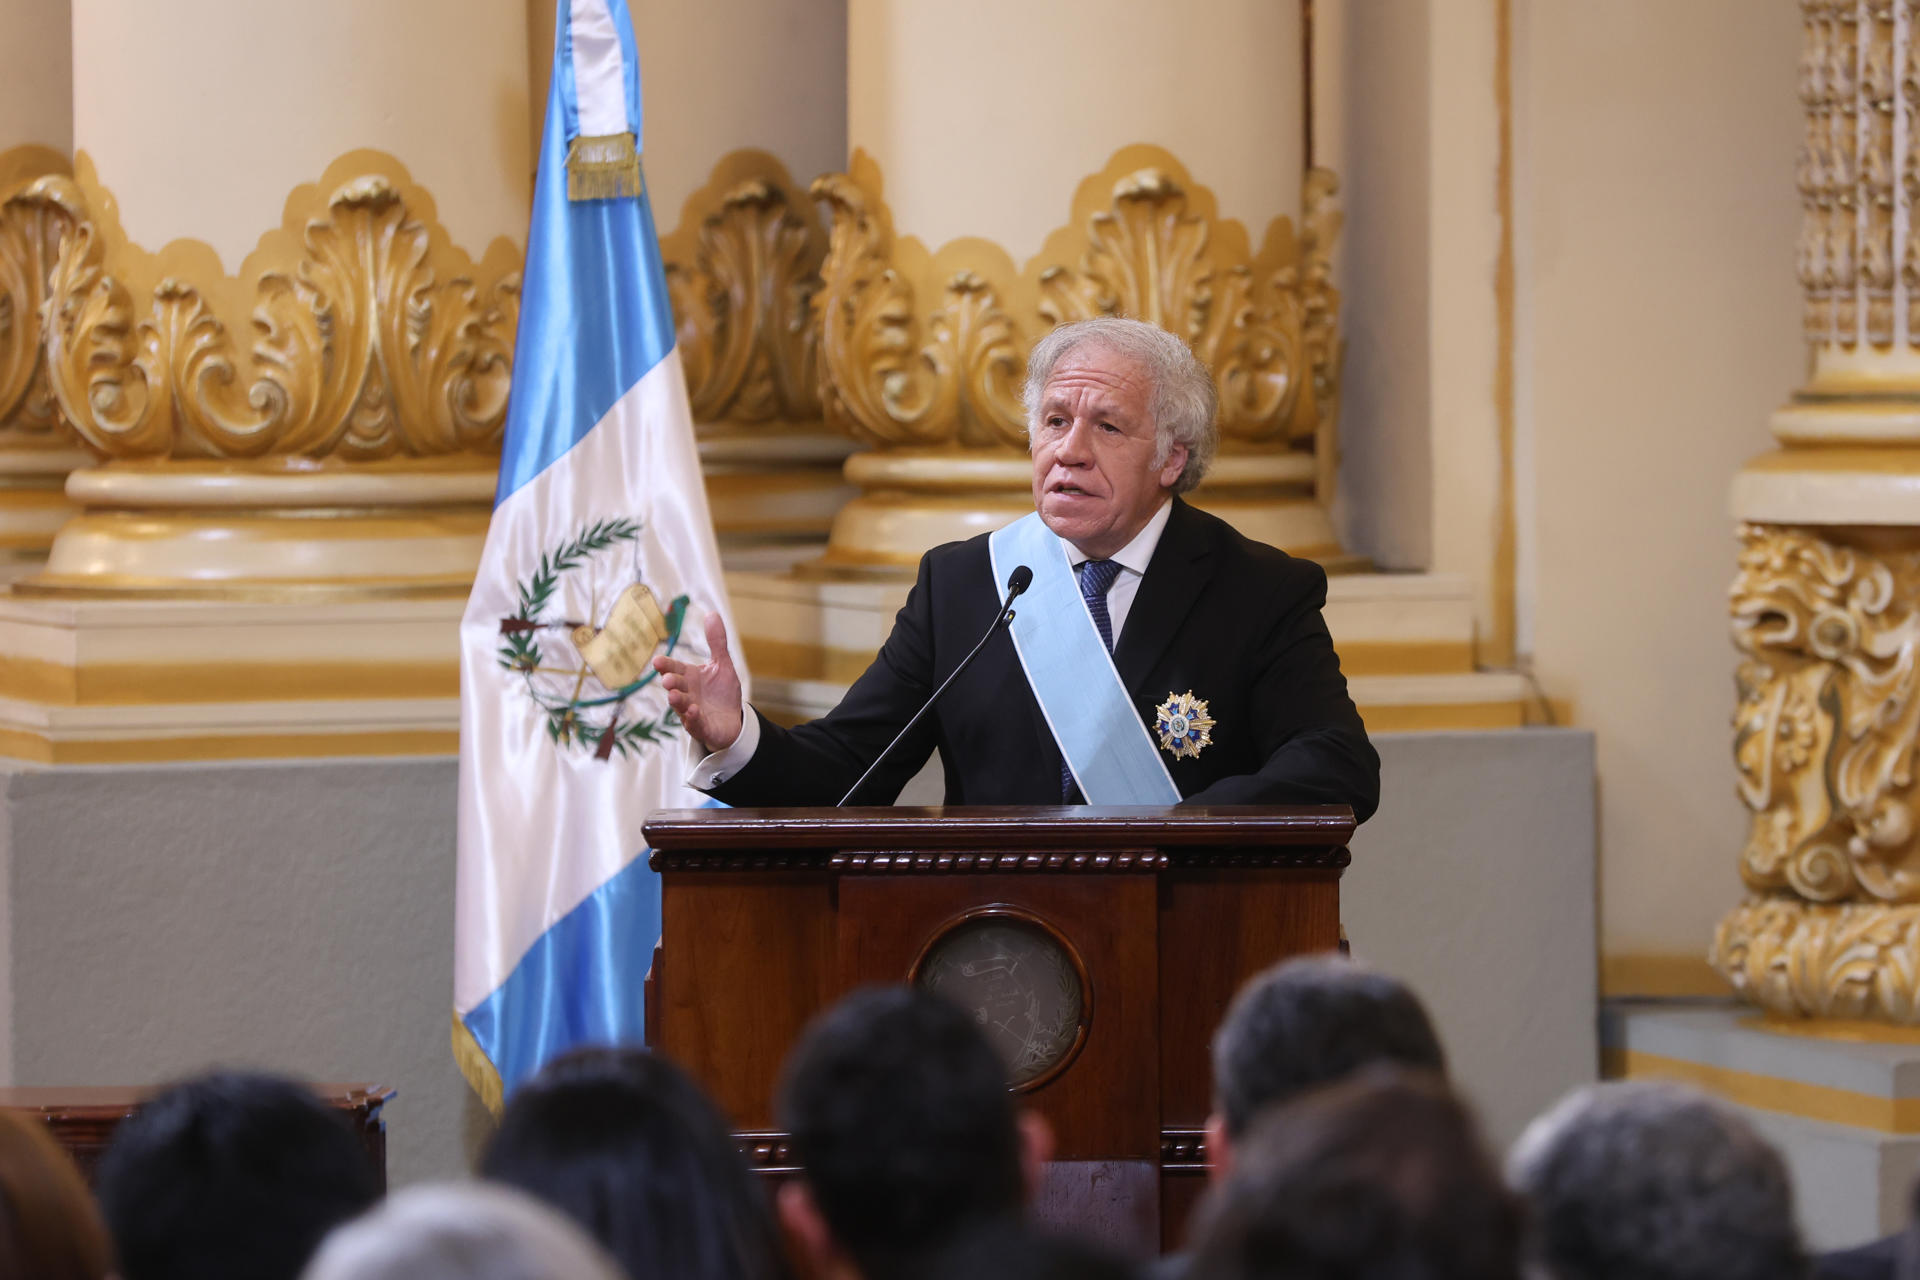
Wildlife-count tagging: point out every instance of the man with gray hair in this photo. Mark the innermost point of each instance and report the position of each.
(1158, 655)
(1639, 1180)
(468, 1231)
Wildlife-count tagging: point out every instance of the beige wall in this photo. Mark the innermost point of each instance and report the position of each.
(722, 75)
(727, 74)
(202, 115)
(36, 74)
(1408, 114)
(1659, 321)
(1371, 109)
(1655, 326)
(986, 115)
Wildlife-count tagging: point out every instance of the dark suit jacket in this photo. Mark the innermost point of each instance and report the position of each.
(1236, 622)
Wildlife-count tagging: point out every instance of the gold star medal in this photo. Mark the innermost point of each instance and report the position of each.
(1183, 725)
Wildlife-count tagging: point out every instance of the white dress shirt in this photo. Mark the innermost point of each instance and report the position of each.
(711, 770)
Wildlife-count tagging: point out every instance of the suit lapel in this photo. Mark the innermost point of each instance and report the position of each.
(1178, 572)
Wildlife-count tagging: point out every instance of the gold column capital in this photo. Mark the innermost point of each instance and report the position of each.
(373, 336)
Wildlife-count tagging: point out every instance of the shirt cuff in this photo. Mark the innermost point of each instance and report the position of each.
(711, 770)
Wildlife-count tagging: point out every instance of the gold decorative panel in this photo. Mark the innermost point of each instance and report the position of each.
(1829, 711)
(34, 219)
(1827, 622)
(742, 269)
(1143, 240)
(372, 336)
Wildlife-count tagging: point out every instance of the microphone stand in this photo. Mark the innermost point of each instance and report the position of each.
(1017, 581)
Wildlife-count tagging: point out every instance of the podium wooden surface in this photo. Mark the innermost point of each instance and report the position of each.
(82, 1118)
(768, 915)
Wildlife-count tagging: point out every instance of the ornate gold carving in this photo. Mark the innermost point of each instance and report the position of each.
(1858, 259)
(880, 380)
(23, 164)
(1829, 712)
(1148, 257)
(1853, 960)
(1825, 734)
(33, 222)
(361, 351)
(1144, 242)
(742, 272)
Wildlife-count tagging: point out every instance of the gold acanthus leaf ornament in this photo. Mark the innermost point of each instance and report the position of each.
(33, 222)
(744, 310)
(879, 381)
(1145, 245)
(1851, 960)
(1148, 257)
(359, 352)
(1828, 715)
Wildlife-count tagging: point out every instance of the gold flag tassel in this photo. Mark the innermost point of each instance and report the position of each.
(603, 168)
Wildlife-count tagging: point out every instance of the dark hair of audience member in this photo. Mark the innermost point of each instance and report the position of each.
(903, 1127)
(1654, 1181)
(625, 1144)
(230, 1174)
(1012, 1249)
(1379, 1177)
(1310, 1021)
(49, 1228)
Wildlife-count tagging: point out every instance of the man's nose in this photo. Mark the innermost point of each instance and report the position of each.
(1076, 444)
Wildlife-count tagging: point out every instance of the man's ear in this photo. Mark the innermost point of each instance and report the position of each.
(1036, 1148)
(808, 1239)
(1176, 463)
(1219, 1148)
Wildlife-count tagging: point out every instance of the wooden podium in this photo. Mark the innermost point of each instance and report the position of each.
(1099, 948)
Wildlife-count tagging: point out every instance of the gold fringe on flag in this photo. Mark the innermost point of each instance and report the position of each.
(476, 1067)
(603, 168)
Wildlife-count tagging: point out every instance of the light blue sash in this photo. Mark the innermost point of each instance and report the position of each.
(1073, 676)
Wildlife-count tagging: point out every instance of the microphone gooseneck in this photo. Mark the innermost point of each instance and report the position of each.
(1017, 581)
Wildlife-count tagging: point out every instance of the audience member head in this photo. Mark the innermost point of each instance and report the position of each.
(1013, 1249)
(1654, 1182)
(905, 1133)
(230, 1174)
(622, 1142)
(468, 1232)
(1379, 1177)
(49, 1228)
(1303, 1023)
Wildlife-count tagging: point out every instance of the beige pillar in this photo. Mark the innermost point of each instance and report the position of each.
(1826, 607)
(1018, 165)
(37, 450)
(748, 100)
(275, 309)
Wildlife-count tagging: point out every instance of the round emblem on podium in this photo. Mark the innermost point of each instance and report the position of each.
(1023, 983)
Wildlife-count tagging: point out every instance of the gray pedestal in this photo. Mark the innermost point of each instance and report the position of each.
(294, 915)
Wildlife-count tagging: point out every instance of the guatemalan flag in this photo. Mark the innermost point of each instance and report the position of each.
(600, 555)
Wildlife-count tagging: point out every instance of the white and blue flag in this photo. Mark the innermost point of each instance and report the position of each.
(600, 555)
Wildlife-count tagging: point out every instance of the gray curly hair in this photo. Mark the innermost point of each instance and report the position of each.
(1646, 1179)
(1184, 400)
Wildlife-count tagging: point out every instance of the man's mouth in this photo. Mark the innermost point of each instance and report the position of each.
(1070, 490)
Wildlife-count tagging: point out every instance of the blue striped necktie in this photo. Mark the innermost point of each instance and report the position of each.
(1096, 579)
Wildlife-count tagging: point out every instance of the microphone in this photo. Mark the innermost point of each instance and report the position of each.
(1017, 581)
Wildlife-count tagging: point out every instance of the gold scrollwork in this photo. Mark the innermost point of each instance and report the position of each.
(1851, 960)
(742, 294)
(360, 352)
(33, 222)
(1144, 243)
(1828, 715)
(879, 381)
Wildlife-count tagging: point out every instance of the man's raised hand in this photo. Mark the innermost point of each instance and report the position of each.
(706, 696)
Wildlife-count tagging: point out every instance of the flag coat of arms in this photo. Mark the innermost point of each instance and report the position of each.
(600, 554)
